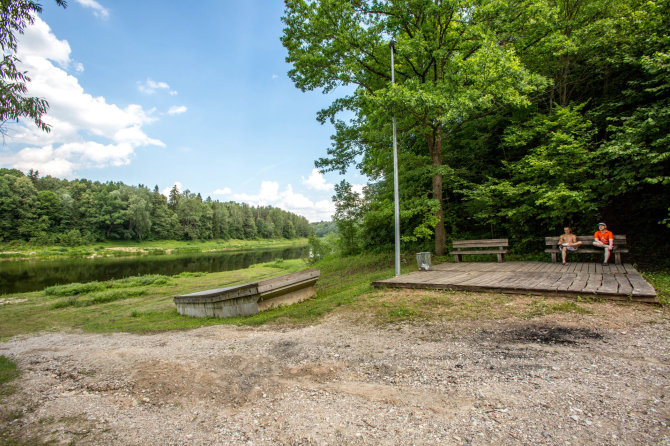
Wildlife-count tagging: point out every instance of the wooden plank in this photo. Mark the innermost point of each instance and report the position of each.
(565, 281)
(482, 251)
(518, 281)
(487, 280)
(593, 283)
(625, 287)
(480, 243)
(547, 281)
(640, 286)
(629, 268)
(609, 285)
(453, 278)
(579, 282)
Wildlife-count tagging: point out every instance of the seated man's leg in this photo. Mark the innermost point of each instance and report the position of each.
(607, 248)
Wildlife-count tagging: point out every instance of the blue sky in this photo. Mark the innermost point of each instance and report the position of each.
(157, 93)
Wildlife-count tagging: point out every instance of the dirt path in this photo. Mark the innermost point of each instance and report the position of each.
(564, 379)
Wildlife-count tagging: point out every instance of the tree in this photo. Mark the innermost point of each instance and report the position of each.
(15, 15)
(451, 67)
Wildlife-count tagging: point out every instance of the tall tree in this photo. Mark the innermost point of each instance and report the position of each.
(451, 69)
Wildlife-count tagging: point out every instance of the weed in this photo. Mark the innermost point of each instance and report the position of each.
(8, 370)
(401, 314)
(74, 289)
(190, 274)
(99, 298)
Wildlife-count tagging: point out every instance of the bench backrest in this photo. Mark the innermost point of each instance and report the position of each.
(487, 243)
(619, 239)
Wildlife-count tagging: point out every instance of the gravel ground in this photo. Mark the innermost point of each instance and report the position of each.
(590, 379)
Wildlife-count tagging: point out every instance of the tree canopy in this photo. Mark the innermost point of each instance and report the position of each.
(48, 210)
(515, 117)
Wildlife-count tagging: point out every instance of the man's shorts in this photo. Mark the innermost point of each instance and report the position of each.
(569, 248)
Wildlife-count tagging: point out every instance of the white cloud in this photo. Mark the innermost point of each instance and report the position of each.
(150, 86)
(316, 181)
(275, 76)
(177, 110)
(358, 188)
(79, 67)
(270, 195)
(98, 10)
(224, 191)
(86, 130)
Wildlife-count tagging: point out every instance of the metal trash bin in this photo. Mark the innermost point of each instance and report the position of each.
(423, 261)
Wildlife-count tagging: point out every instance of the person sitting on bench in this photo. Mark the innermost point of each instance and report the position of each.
(568, 242)
(604, 239)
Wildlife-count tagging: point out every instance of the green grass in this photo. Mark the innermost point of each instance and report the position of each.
(8, 371)
(660, 280)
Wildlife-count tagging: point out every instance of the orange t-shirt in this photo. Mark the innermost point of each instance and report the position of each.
(604, 237)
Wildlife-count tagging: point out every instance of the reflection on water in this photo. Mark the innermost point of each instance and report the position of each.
(32, 275)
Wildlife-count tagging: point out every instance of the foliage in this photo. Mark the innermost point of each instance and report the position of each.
(15, 16)
(514, 117)
(71, 213)
(321, 247)
(451, 69)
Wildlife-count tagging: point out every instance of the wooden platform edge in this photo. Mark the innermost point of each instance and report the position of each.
(521, 291)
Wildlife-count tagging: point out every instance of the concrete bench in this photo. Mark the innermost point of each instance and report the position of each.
(486, 246)
(587, 247)
(250, 298)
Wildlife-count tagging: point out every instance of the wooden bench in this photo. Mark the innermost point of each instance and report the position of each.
(250, 298)
(587, 247)
(486, 246)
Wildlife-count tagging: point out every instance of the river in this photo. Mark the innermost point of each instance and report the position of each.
(32, 275)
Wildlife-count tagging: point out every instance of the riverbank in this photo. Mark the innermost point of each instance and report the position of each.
(144, 304)
(26, 251)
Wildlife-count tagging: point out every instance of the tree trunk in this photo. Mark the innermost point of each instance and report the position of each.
(435, 146)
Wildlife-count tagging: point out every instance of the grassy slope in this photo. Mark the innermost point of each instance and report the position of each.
(145, 304)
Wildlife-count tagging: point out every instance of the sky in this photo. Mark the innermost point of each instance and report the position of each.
(162, 93)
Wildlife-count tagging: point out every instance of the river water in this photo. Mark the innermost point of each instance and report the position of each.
(32, 275)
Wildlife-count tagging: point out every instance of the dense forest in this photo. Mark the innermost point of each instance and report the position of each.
(48, 210)
(514, 117)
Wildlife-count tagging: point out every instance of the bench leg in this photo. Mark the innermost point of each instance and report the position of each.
(499, 258)
(457, 258)
(553, 257)
(617, 258)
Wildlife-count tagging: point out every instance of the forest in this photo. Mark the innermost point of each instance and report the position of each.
(48, 210)
(514, 117)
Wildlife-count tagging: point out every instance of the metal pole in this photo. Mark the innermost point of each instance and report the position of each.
(396, 197)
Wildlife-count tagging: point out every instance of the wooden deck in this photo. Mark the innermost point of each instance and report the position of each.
(612, 281)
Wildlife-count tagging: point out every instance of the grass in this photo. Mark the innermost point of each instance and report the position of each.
(660, 280)
(23, 250)
(145, 304)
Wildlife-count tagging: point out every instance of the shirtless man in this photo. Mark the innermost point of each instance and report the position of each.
(604, 239)
(567, 242)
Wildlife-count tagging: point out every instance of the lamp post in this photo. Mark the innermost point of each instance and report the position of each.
(396, 198)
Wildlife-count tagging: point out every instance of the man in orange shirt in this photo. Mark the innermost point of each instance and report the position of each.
(604, 239)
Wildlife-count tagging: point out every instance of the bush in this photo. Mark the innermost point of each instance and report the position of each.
(320, 247)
